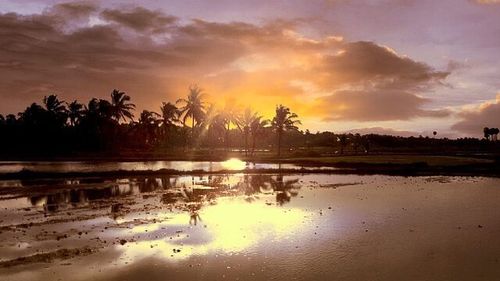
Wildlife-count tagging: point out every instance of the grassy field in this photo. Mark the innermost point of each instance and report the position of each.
(392, 159)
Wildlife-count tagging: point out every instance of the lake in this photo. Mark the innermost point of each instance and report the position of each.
(251, 227)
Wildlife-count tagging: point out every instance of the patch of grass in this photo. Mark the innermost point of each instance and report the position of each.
(393, 159)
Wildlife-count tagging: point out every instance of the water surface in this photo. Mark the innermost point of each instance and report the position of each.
(252, 227)
(233, 164)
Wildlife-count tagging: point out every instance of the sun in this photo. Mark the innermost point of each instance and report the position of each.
(234, 164)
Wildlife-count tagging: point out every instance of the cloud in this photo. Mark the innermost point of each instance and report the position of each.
(73, 9)
(154, 57)
(487, 1)
(375, 105)
(485, 115)
(381, 85)
(367, 61)
(140, 19)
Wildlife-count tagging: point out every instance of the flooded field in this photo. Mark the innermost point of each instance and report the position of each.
(113, 166)
(251, 227)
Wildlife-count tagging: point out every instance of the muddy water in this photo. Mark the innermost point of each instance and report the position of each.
(251, 227)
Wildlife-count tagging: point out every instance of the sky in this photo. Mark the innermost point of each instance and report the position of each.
(403, 67)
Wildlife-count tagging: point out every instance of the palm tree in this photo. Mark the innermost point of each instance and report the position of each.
(97, 124)
(193, 107)
(169, 116)
(209, 117)
(121, 108)
(169, 113)
(53, 104)
(213, 125)
(250, 123)
(283, 121)
(228, 116)
(99, 109)
(149, 122)
(56, 109)
(256, 129)
(75, 112)
(244, 123)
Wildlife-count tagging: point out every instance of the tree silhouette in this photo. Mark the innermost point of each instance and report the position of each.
(34, 116)
(56, 111)
(257, 128)
(343, 142)
(169, 114)
(193, 107)
(149, 123)
(54, 128)
(244, 123)
(121, 108)
(228, 116)
(53, 104)
(169, 117)
(283, 121)
(491, 133)
(213, 125)
(98, 127)
(10, 120)
(486, 132)
(75, 112)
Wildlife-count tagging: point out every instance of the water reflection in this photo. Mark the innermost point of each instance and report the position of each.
(233, 164)
(188, 190)
(230, 226)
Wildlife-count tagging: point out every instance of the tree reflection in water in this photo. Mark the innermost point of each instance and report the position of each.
(187, 193)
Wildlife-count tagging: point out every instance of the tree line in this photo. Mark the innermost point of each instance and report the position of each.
(109, 125)
(56, 127)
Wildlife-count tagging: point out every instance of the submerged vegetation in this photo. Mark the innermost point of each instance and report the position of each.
(191, 126)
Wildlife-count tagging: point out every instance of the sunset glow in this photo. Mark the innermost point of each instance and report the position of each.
(384, 66)
(249, 140)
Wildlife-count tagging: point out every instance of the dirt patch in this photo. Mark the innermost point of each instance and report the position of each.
(337, 185)
(62, 254)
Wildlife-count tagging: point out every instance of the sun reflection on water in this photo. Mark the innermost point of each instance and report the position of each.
(230, 226)
(234, 164)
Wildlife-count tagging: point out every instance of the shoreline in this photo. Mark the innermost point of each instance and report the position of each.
(224, 155)
(383, 164)
(416, 169)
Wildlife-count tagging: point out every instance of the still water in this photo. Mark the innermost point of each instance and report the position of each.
(103, 166)
(251, 227)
